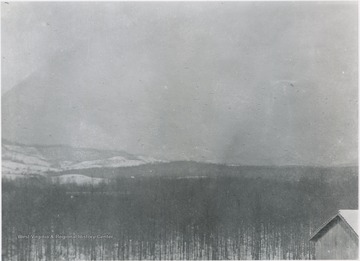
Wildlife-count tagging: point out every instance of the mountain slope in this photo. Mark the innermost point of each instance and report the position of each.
(18, 159)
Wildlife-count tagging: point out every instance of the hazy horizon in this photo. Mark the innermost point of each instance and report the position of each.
(350, 164)
(247, 83)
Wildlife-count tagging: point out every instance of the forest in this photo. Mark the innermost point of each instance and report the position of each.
(216, 216)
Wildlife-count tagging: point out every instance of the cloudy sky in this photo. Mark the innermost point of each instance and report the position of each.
(237, 82)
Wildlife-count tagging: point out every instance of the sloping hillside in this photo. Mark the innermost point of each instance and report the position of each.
(19, 159)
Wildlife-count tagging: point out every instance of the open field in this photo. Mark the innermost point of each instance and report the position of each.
(214, 216)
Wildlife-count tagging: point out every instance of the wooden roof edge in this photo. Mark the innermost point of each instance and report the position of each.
(347, 223)
(315, 235)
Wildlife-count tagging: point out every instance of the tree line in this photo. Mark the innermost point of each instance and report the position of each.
(217, 217)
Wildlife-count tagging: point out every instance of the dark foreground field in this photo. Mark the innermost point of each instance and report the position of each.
(217, 216)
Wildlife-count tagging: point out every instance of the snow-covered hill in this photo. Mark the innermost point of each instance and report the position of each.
(77, 179)
(20, 160)
(17, 159)
(110, 162)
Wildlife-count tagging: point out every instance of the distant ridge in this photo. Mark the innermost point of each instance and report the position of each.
(20, 159)
(49, 149)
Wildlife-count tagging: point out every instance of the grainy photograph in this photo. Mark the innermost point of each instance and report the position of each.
(179, 130)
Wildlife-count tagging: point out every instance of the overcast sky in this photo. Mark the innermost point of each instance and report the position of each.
(237, 82)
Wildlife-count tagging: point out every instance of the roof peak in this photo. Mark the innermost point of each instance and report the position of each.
(349, 216)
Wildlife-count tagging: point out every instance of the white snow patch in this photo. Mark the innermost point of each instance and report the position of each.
(77, 179)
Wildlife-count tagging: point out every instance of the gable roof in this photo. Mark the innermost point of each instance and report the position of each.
(348, 216)
(351, 217)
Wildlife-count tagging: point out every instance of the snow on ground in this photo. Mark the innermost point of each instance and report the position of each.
(13, 176)
(65, 164)
(11, 167)
(77, 179)
(112, 162)
(18, 159)
(150, 159)
(22, 159)
(29, 155)
(21, 149)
